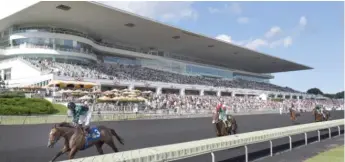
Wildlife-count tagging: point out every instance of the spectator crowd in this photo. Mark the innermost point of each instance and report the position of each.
(137, 73)
(172, 101)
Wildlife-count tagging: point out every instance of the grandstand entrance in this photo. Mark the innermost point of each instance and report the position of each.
(145, 89)
(111, 87)
(191, 92)
(170, 91)
(210, 93)
(226, 93)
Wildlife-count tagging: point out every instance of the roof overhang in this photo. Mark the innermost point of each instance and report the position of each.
(108, 23)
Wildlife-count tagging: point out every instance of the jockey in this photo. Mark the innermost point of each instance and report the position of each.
(320, 109)
(221, 111)
(81, 114)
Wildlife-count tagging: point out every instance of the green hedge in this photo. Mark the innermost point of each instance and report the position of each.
(25, 106)
(12, 94)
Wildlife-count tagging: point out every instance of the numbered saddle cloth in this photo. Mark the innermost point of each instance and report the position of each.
(93, 135)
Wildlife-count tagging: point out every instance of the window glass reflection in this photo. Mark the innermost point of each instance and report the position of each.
(60, 44)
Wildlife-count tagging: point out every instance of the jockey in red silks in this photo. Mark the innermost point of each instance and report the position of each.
(220, 113)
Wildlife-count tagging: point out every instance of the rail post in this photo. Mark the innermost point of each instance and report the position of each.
(213, 157)
(318, 135)
(338, 130)
(246, 152)
(329, 133)
(271, 148)
(306, 138)
(24, 119)
(290, 142)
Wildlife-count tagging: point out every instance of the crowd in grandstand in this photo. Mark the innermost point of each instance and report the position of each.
(138, 73)
(205, 104)
(172, 101)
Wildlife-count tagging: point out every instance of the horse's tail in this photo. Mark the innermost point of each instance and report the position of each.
(117, 136)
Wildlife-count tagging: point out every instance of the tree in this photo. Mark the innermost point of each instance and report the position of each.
(315, 91)
(339, 95)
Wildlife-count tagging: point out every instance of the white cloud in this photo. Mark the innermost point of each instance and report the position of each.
(303, 21)
(233, 8)
(243, 20)
(224, 37)
(213, 10)
(256, 44)
(273, 38)
(162, 11)
(273, 32)
(287, 41)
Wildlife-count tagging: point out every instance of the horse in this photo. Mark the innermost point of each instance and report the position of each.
(293, 114)
(76, 139)
(222, 130)
(318, 117)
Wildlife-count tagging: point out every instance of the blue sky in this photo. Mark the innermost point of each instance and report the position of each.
(311, 33)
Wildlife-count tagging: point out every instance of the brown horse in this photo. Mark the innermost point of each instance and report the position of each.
(293, 114)
(75, 139)
(222, 130)
(318, 117)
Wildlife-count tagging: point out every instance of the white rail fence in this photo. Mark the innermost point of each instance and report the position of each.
(45, 119)
(209, 146)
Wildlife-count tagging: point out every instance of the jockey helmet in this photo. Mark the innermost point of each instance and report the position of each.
(71, 105)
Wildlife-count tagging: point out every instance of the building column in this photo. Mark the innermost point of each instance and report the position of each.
(182, 91)
(219, 93)
(131, 87)
(159, 90)
(2, 75)
(202, 92)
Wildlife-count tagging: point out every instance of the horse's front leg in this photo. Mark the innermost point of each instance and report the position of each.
(61, 152)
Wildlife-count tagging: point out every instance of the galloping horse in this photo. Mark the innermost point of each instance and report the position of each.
(75, 139)
(318, 117)
(293, 114)
(222, 130)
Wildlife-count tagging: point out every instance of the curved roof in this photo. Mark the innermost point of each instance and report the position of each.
(109, 23)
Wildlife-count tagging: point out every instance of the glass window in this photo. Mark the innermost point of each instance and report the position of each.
(68, 43)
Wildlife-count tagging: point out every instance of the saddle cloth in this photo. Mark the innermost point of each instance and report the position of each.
(93, 135)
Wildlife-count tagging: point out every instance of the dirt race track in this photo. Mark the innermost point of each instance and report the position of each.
(28, 143)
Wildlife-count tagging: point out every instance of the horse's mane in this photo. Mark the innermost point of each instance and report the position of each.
(65, 124)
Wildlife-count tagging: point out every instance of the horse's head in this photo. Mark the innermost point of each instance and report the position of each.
(55, 134)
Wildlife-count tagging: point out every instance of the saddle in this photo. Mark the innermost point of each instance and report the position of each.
(92, 135)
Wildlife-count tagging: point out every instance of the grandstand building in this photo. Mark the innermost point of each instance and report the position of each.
(85, 34)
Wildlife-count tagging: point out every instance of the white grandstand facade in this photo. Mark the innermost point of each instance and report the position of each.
(67, 33)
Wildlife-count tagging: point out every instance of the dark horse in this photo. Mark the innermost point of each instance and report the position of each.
(318, 117)
(293, 114)
(76, 140)
(222, 130)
